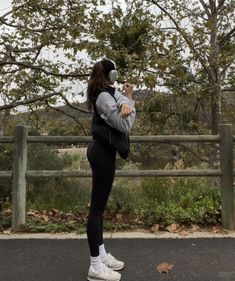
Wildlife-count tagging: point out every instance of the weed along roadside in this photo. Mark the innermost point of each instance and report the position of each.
(139, 199)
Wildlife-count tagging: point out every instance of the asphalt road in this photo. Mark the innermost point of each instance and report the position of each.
(211, 259)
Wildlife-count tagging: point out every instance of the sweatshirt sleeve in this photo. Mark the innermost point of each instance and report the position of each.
(121, 99)
(109, 111)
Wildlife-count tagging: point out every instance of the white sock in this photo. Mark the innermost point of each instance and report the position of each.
(103, 253)
(96, 262)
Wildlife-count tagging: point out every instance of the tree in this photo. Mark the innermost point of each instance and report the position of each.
(170, 47)
(206, 33)
(38, 52)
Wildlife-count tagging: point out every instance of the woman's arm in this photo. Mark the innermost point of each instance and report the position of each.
(109, 111)
(121, 99)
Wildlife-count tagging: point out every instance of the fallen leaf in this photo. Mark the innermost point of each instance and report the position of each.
(164, 267)
(184, 232)
(194, 227)
(218, 229)
(173, 227)
(155, 228)
(8, 232)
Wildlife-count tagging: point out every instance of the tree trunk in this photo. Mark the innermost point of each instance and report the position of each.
(214, 77)
(5, 115)
(215, 109)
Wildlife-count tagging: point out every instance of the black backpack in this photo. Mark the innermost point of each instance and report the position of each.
(108, 135)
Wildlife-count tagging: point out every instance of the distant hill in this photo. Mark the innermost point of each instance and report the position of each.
(45, 115)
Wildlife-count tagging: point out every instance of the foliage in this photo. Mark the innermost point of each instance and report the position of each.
(173, 48)
(39, 58)
(180, 200)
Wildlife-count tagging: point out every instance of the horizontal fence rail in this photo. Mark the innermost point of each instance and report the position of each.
(125, 173)
(20, 174)
(118, 173)
(133, 139)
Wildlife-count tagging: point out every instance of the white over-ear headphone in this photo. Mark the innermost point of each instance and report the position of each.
(113, 73)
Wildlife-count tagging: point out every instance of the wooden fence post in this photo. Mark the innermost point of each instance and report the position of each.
(19, 177)
(226, 165)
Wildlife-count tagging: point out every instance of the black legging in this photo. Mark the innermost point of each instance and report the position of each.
(102, 159)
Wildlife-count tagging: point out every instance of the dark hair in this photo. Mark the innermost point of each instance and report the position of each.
(98, 80)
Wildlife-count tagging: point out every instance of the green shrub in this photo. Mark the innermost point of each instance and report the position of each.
(65, 195)
(126, 193)
(180, 200)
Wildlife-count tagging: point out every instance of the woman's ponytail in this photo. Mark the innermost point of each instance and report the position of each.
(96, 83)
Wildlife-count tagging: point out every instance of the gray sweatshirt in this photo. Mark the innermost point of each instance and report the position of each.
(109, 110)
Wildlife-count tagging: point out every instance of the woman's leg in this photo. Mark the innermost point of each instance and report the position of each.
(101, 241)
(102, 160)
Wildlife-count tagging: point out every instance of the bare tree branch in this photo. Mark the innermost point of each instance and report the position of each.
(228, 90)
(73, 106)
(9, 72)
(67, 114)
(25, 50)
(27, 101)
(9, 24)
(39, 68)
(185, 36)
(226, 37)
(13, 10)
(190, 10)
(212, 6)
(205, 8)
(37, 54)
(40, 30)
(221, 3)
(223, 71)
(2, 19)
(34, 113)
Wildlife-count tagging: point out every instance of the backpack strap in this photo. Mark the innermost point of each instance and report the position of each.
(106, 91)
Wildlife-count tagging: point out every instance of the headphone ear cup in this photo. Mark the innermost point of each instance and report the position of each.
(113, 75)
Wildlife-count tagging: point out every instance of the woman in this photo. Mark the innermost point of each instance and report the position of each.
(118, 112)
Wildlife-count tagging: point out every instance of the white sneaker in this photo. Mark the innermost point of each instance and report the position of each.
(105, 274)
(113, 263)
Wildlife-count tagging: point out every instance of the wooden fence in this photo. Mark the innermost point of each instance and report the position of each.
(19, 174)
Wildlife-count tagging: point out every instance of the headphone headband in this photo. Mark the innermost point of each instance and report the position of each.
(110, 69)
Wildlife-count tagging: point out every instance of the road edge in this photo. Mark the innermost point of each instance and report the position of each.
(121, 235)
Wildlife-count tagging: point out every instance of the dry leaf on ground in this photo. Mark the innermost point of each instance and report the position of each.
(155, 228)
(164, 267)
(195, 227)
(184, 232)
(219, 230)
(8, 232)
(174, 227)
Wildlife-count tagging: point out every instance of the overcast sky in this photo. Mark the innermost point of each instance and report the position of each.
(5, 5)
